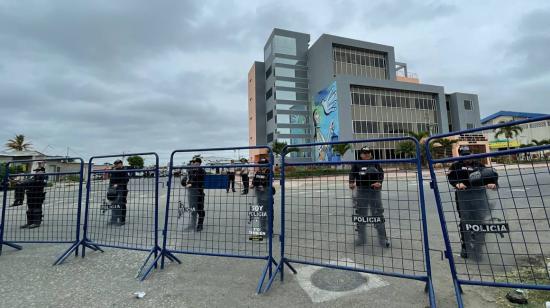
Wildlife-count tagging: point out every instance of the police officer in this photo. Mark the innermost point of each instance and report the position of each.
(119, 180)
(19, 192)
(366, 180)
(264, 191)
(195, 194)
(471, 178)
(35, 197)
(231, 175)
(244, 177)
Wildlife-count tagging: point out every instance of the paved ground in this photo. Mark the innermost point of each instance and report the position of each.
(108, 279)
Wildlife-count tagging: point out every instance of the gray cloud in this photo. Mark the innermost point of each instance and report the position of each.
(111, 76)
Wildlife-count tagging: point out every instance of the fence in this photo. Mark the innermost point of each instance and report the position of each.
(53, 202)
(206, 215)
(364, 216)
(493, 209)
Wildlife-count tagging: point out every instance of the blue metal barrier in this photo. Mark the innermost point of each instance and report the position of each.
(121, 212)
(53, 204)
(318, 216)
(494, 215)
(215, 221)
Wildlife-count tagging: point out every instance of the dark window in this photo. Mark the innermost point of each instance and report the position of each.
(269, 115)
(301, 96)
(469, 125)
(355, 99)
(301, 74)
(269, 137)
(268, 72)
(468, 104)
(268, 94)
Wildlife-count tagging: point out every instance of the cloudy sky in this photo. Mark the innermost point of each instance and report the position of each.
(109, 76)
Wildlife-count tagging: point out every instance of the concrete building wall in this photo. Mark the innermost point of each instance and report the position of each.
(461, 117)
(256, 109)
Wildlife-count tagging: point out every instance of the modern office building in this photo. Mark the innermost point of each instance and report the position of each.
(531, 131)
(344, 89)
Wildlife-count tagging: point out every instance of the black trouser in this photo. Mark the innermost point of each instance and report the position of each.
(367, 198)
(473, 207)
(231, 181)
(34, 207)
(196, 203)
(246, 184)
(119, 209)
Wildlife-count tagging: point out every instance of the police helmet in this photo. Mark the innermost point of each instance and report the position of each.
(464, 150)
(483, 177)
(365, 150)
(263, 161)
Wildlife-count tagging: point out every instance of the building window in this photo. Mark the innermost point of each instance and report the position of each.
(291, 119)
(284, 45)
(362, 62)
(292, 131)
(293, 107)
(269, 137)
(285, 72)
(365, 127)
(468, 104)
(269, 93)
(269, 115)
(268, 72)
(267, 52)
(469, 125)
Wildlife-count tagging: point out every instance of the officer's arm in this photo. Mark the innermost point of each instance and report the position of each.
(452, 176)
(381, 174)
(353, 174)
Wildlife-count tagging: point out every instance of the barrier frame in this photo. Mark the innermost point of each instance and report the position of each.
(79, 203)
(284, 260)
(86, 242)
(170, 254)
(457, 282)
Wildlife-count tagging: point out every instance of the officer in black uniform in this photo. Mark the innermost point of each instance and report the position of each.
(366, 180)
(264, 191)
(19, 193)
(119, 180)
(244, 177)
(35, 197)
(195, 194)
(231, 175)
(471, 178)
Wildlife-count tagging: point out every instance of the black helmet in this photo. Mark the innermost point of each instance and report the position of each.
(263, 161)
(365, 150)
(197, 160)
(118, 161)
(464, 150)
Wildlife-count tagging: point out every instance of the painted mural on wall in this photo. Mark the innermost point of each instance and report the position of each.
(325, 122)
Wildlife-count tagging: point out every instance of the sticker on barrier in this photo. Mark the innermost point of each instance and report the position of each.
(363, 213)
(220, 205)
(121, 210)
(493, 206)
(41, 201)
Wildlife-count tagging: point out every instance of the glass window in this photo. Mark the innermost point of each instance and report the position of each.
(289, 61)
(285, 72)
(288, 130)
(285, 95)
(268, 72)
(296, 107)
(270, 115)
(282, 83)
(284, 45)
(267, 52)
(469, 125)
(269, 93)
(269, 137)
(468, 104)
(301, 74)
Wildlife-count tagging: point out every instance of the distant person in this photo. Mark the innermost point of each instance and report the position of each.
(243, 171)
(366, 180)
(471, 178)
(195, 194)
(264, 191)
(19, 191)
(119, 180)
(231, 176)
(35, 196)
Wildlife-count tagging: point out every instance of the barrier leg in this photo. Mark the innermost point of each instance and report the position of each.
(267, 269)
(12, 245)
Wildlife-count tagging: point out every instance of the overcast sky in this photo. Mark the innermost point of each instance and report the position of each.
(105, 77)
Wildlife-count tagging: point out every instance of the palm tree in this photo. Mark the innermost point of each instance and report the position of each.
(406, 148)
(541, 142)
(278, 147)
(446, 144)
(341, 148)
(18, 143)
(419, 136)
(509, 132)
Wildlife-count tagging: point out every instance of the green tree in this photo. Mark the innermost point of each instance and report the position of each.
(18, 143)
(341, 148)
(278, 147)
(406, 148)
(509, 132)
(421, 137)
(540, 142)
(135, 162)
(446, 144)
